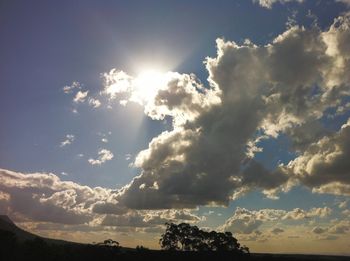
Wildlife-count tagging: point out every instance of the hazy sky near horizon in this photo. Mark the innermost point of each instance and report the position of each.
(118, 116)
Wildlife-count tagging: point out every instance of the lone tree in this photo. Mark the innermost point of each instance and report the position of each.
(185, 237)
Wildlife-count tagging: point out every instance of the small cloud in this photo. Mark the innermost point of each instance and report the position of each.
(269, 3)
(68, 140)
(75, 111)
(293, 236)
(80, 155)
(80, 96)
(69, 88)
(318, 230)
(104, 137)
(346, 212)
(277, 231)
(343, 204)
(64, 173)
(95, 103)
(346, 2)
(210, 212)
(329, 237)
(103, 156)
(128, 156)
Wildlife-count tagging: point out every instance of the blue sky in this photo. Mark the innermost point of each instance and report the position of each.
(47, 46)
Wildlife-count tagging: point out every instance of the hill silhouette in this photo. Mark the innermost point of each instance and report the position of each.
(18, 244)
(6, 224)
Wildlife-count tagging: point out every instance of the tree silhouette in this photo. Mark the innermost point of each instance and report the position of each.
(185, 237)
(109, 243)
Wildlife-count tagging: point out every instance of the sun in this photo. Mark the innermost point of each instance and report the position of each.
(148, 82)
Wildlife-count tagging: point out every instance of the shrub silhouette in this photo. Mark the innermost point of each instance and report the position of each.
(185, 237)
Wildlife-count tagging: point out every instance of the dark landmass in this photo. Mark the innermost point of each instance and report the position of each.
(18, 244)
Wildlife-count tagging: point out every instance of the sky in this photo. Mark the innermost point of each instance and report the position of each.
(119, 116)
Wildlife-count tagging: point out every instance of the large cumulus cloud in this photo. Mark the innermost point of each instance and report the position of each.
(254, 93)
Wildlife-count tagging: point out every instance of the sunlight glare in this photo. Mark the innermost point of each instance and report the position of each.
(148, 83)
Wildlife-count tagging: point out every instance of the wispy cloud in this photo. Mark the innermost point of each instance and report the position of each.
(68, 140)
(269, 3)
(69, 88)
(103, 156)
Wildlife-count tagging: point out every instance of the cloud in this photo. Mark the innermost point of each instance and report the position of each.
(104, 137)
(318, 230)
(269, 3)
(329, 237)
(69, 139)
(343, 204)
(44, 197)
(80, 96)
(347, 2)
(342, 227)
(277, 231)
(150, 218)
(95, 103)
(103, 156)
(298, 214)
(180, 96)
(323, 166)
(246, 221)
(254, 93)
(69, 88)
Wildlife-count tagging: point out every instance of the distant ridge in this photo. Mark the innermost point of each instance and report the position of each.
(6, 219)
(8, 225)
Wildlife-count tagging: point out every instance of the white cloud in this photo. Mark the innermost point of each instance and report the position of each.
(269, 3)
(68, 140)
(80, 96)
(180, 96)
(44, 197)
(103, 156)
(246, 221)
(324, 166)
(95, 103)
(70, 88)
(150, 218)
(343, 204)
(341, 227)
(104, 137)
(299, 214)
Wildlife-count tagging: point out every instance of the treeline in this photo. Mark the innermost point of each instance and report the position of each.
(190, 238)
(179, 242)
